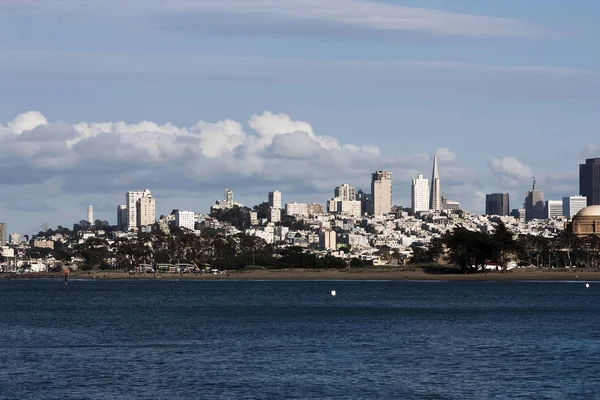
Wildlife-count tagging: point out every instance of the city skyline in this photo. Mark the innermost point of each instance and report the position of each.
(290, 97)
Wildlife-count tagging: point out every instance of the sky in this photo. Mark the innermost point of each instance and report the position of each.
(189, 97)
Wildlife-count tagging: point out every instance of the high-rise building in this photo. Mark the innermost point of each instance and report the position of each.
(122, 215)
(229, 198)
(572, 205)
(381, 190)
(146, 211)
(132, 198)
(497, 204)
(185, 219)
(275, 199)
(274, 215)
(351, 208)
(3, 234)
(345, 192)
(589, 181)
(534, 204)
(296, 209)
(553, 209)
(328, 240)
(435, 194)
(90, 214)
(365, 202)
(518, 213)
(419, 194)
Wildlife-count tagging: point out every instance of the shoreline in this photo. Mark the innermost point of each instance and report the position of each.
(324, 275)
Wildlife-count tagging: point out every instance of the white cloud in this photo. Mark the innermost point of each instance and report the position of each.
(445, 154)
(510, 169)
(357, 14)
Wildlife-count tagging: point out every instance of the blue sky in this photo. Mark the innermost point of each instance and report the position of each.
(504, 90)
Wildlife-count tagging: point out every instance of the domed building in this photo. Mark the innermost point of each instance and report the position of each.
(586, 222)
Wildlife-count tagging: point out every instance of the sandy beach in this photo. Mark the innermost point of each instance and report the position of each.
(362, 274)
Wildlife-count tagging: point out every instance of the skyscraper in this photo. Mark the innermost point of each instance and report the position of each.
(435, 199)
(2, 234)
(572, 205)
(275, 199)
(146, 211)
(133, 198)
(497, 204)
(90, 214)
(345, 192)
(589, 180)
(553, 209)
(381, 189)
(122, 216)
(419, 194)
(534, 204)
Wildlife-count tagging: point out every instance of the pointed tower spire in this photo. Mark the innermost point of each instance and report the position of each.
(435, 194)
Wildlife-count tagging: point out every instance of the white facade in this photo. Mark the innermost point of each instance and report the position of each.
(253, 218)
(381, 189)
(185, 219)
(296, 209)
(146, 211)
(554, 208)
(435, 194)
(327, 240)
(14, 238)
(349, 207)
(419, 194)
(132, 198)
(90, 214)
(274, 215)
(345, 192)
(275, 199)
(572, 205)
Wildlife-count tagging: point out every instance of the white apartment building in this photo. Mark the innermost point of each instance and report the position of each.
(381, 189)
(327, 240)
(274, 215)
(275, 199)
(572, 205)
(253, 218)
(296, 209)
(349, 207)
(185, 219)
(554, 208)
(345, 192)
(419, 194)
(146, 211)
(14, 238)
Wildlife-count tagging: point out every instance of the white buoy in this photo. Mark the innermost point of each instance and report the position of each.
(587, 285)
(333, 293)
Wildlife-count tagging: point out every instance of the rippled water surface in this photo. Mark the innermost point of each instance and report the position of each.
(293, 340)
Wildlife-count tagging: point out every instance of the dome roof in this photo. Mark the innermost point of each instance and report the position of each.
(589, 211)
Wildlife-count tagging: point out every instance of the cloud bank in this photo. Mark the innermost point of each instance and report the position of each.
(268, 16)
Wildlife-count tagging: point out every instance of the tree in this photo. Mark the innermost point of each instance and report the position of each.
(94, 252)
(469, 250)
(503, 245)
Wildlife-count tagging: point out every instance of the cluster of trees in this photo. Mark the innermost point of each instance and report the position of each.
(211, 248)
(471, 251)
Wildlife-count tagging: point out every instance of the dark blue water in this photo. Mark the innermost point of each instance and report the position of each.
(293, 340)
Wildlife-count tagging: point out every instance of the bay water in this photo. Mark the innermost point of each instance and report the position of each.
(294, 340)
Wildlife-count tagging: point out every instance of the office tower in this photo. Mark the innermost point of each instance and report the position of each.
(534, 204)
(381, 190)
(589, 180)
(185, 220)
(122, 216)
(518, 213)
(435, 200)
(553, 209)
(365, 202)
(90, 214)
(3, 234)
(345, 192)
(419, 194)
(497, 204)
(275, 199)
(571, 205)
